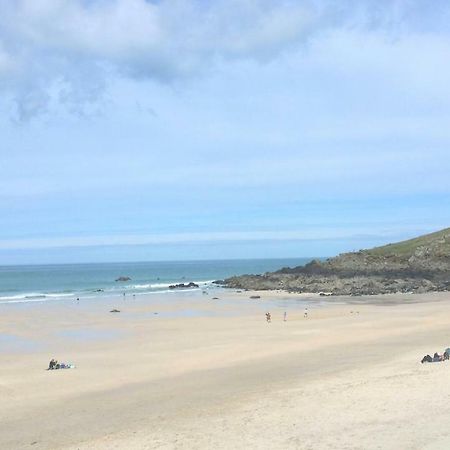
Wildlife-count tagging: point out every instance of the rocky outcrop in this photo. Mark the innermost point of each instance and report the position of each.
(184, 286)
(123, 279)
(417, 265)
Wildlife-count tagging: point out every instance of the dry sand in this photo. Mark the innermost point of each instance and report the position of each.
(212, 374)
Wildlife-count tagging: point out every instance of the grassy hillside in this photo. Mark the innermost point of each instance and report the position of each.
(416, 265)
(437, 243)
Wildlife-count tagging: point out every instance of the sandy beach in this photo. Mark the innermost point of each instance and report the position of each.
(185, 371)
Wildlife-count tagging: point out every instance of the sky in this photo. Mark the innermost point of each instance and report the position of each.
(200, 129)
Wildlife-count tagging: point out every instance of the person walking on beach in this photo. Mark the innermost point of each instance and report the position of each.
(305, 315)
(268, 317)
(284, 318)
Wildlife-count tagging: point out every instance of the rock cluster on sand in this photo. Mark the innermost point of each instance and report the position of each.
(184, 286)
(417, 265)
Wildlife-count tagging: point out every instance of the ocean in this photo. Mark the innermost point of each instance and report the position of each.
(19, 284)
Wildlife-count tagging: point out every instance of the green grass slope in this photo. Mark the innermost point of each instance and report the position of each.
(437, 243)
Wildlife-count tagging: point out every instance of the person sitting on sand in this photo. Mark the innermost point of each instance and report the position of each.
(51, 364)
(437, 357)
(446, 355)
(426, 358)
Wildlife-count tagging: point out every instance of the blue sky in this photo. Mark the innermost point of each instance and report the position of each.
(138, 130)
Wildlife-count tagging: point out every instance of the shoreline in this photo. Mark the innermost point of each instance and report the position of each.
(28, 283)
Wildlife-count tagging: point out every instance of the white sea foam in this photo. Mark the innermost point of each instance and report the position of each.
(60, 295)
(27, 300)
(29, 295)
(147, 288)
(32, 297)
(139, 286)
(170, 291)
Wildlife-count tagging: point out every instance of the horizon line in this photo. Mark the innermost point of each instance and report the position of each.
(161, 261)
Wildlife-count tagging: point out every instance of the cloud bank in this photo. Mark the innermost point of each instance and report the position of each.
(67, 49)
(64, 52)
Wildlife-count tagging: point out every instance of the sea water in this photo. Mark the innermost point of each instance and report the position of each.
(53, 282)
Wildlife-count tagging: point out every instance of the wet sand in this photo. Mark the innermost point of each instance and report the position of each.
(205, 373)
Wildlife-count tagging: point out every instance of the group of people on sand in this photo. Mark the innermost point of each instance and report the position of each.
(54, 365)
(437, 357)
(269, 316)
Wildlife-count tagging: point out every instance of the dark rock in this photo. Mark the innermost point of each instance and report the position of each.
(255, 296)
(123, 279)
(184, 286)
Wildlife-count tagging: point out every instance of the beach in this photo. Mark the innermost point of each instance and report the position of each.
(185, 371)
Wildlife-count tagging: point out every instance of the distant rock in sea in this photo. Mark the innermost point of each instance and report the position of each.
(123, 279)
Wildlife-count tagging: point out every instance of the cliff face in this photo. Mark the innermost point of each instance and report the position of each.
(417, 265)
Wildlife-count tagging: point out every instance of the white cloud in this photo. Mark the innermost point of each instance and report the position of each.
(6, 62)
(174, 34)
(51, 44)
(66, 50)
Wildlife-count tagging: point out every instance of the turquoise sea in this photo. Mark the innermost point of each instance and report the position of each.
(52, 282)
